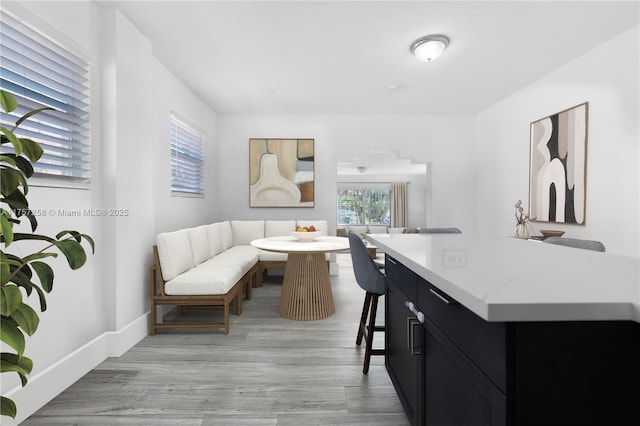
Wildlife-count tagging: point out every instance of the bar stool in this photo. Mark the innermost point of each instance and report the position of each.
(374, 282)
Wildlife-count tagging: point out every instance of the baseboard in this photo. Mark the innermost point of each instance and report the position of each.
(47, 384)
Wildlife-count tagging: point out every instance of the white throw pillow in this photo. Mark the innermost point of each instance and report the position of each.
(396, 230)
(214, 235)
(359, 230)
(245, 231)
(377, 229)
(226, 233)
(174, 253)
(279, 228)
(199, 244)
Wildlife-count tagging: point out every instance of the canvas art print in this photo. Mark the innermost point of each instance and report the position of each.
(281, 172)
(557, 168)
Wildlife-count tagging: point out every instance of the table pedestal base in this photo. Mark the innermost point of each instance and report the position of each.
(306, 289)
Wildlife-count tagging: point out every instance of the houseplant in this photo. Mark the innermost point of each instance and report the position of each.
(21, 275)
(523, 229)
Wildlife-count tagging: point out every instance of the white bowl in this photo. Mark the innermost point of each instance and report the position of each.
(305, 236)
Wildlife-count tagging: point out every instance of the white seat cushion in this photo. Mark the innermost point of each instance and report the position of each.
(204, 281)
(279, 228)
(174, 253)
(243, 257)
(245, 231)
(199, 244)
(272, 256)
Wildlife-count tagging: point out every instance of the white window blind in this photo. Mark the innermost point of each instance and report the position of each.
(41, 73)
(187, 159)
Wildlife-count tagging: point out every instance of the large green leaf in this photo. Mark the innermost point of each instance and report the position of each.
(73, 251)
(12, 362)
(6, 228)
(10, 179)
(25, 166)
(31, 149)
(8, 407)
(17, 201)
(10, 299)
(17, 144)
(12, 336)
(8, 102)
(45, 275)
(26, 318)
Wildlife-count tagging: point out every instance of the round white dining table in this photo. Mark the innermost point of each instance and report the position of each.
(306, 289)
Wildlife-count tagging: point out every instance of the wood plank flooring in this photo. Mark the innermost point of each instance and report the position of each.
(267, 371)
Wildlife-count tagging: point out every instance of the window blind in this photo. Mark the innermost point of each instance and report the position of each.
(187, 159)
(41, 73)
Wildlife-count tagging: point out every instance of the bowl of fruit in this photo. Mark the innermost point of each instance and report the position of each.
(306, 233)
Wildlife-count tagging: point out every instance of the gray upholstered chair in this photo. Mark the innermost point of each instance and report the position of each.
(374, 282)
(574, 242)
(440, 231)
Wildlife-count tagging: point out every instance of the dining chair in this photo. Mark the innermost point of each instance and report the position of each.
(577, 243)
(374, 282)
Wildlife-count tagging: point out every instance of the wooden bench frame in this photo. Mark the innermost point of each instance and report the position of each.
(233, 297)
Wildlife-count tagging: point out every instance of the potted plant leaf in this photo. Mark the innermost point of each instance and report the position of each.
(24, 274)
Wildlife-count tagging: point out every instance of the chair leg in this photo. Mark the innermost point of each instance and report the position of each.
(370, 331)
(363, 318)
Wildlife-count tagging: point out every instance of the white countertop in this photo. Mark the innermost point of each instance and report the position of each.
(508, 279)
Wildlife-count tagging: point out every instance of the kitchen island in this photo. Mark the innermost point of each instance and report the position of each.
(511, 332)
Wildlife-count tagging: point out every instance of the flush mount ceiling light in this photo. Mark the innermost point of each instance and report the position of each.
(362, 169)
(429, 47)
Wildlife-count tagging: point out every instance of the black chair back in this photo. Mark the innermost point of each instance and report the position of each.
(367, 273)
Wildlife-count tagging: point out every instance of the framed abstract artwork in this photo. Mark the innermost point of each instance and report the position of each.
(557, 167)
(281, 172)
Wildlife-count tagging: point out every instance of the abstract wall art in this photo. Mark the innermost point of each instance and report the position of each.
(557, 167)
(281, 172)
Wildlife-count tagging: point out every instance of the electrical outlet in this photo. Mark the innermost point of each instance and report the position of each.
(454, 258)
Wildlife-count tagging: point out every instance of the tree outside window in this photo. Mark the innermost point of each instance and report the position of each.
(364, 206)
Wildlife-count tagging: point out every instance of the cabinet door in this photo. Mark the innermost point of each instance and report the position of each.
(403, 364)
(456, 392)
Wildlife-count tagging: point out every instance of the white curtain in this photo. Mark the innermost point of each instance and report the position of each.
(399, 199)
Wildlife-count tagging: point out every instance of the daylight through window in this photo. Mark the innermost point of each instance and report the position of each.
(364, 206)
(187, 159)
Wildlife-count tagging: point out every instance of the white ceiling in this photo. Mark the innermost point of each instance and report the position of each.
(339, 57)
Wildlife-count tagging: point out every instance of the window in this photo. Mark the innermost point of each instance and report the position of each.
(364, 205)
(41, 73)
(187, 159)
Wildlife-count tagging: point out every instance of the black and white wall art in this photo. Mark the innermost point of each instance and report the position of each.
(557, 166)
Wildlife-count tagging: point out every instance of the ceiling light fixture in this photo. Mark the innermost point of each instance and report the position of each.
(429, 47)
(362, 169)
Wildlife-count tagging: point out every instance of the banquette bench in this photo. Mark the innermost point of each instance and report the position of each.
(214, 265)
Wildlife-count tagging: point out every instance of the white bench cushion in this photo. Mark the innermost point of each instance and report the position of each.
(204, 281)
(272, 256)
(245, 231)
(199, 244)
(279, 228)
(174, 253)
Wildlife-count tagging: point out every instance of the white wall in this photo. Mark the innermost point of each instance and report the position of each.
(606, 77)
(444, 141)
(102, 309)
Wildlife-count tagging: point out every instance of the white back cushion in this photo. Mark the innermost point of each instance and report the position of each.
(358, 229)
(245, 231)
(214, 235)
(320, 225)
(279, 228)
(199, 244)
(377, 229)
(396, 230)
(226, 234)
(174, 252)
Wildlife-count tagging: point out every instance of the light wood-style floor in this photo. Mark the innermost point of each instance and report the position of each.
(267, 371)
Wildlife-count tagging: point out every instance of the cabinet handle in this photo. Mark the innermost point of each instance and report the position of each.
(419, 315)
(441, 297)
(415, 342)
(390, 259)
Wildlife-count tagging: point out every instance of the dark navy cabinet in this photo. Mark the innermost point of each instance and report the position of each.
(451, 367)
